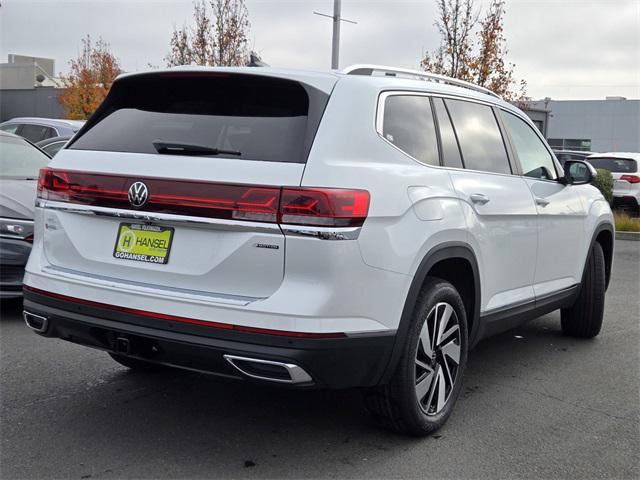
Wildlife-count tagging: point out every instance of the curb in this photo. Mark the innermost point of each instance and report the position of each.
(628, 236)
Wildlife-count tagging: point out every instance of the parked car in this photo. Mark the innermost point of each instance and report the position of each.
(37, 129)
(626, 175)
(564, 155)
(54, 144)
(20, 162)
(355, 229)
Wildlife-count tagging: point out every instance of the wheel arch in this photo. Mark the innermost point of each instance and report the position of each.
(448, 261)
(604, 235)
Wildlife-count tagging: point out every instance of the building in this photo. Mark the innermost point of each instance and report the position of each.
(606, 125)
(29, 88)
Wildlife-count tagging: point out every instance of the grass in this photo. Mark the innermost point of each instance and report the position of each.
(625, 223)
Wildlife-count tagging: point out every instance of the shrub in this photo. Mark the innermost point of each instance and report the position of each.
(625, 223)
(604, 183)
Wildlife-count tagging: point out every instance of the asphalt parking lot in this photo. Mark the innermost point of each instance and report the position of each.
(539, 406)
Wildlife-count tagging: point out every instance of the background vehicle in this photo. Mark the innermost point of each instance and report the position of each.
(564, 155)
(626, 174)
(355, 229)
(20, 162)
(36, 129)
(54, 144)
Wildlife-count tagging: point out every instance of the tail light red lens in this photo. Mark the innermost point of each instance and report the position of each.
(330, 207)
(630, 178)
(326, 207)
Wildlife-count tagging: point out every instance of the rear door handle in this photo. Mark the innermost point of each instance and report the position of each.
(479, 198)
(543, 202)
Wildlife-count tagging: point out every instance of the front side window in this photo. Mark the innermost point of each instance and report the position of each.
(536, 160)
(408, 124)
(479, 136)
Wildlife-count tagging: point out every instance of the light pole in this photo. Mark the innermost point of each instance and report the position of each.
(335, 43)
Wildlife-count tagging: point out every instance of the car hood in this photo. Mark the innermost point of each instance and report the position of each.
(17, 198)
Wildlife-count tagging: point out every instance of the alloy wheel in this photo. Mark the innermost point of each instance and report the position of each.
(437, 358)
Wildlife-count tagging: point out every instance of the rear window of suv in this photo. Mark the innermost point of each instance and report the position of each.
(263, 118)
(616, 165)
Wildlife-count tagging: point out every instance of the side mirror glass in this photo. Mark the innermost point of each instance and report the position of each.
(577, 172)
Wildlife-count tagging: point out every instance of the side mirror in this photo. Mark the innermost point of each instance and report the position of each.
(578, 172)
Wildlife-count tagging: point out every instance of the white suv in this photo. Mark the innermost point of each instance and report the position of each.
(361, 228)
(625, 169)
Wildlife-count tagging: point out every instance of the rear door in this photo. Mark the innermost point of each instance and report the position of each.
(501, 216)
(201, 223)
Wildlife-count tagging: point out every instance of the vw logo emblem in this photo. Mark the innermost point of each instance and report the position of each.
(138, 194)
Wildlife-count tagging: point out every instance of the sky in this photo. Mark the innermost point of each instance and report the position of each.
(564, 49)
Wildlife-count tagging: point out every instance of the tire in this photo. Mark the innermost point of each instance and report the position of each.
(584, 318)
(397, 405)
(136, 364)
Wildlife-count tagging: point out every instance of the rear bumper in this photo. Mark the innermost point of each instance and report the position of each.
(13, 258)
(626, 201)
(353, 361)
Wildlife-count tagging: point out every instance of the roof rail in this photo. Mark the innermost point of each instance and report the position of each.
(371, 70)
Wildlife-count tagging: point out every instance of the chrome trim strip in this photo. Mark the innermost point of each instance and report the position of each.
(323, 233)
(167, 218)
(297, 373)
(141, 287)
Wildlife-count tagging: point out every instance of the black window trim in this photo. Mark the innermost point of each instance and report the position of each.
(379, 120)
(512, 157)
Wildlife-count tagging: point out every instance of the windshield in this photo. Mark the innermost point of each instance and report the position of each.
(19, 159)
(616, 165)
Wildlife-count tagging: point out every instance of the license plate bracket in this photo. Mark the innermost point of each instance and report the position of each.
(143, 243)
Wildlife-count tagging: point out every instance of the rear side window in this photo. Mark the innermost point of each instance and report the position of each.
(408, 124)
(479, 136)
(616, 165)
(262, 118)
(534, 157)
(35, 133)
(450, 150)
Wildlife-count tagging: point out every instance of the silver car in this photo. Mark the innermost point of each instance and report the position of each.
(20, 162)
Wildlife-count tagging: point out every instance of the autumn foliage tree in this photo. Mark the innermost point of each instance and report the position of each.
(473, 48)
(89, 79)
(218, 36)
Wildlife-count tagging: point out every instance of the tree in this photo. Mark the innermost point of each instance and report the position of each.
(232, 24)
(217, 38)
(90, 77)
(180, 53)
(479, 57)
(453, 56)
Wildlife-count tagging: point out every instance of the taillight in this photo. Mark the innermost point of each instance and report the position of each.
(630, 178)
(326, 207)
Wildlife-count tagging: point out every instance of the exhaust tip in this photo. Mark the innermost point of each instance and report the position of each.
(269, 370)
(37, 323)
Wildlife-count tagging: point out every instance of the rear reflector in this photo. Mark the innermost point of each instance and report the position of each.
(177, 319)
(330, 207)
(630, 178)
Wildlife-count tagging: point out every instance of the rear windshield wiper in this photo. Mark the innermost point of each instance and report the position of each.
(181, 148)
